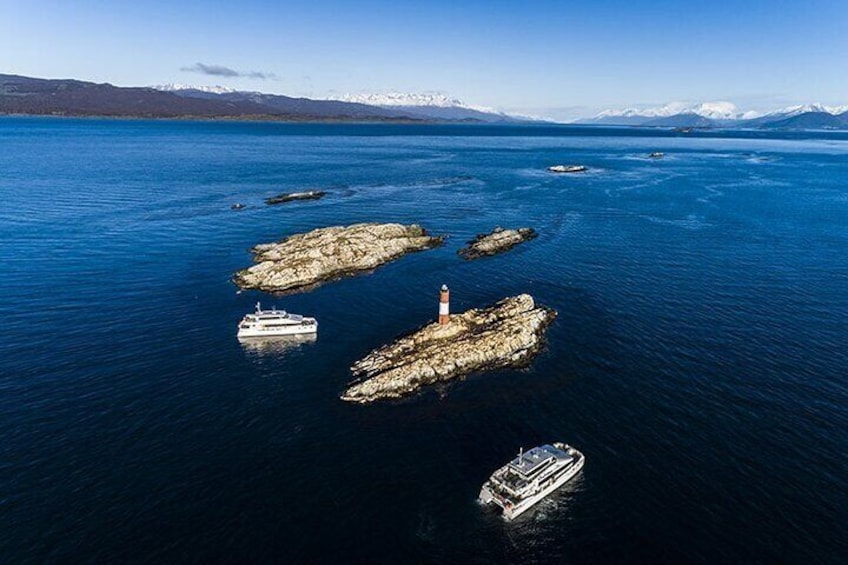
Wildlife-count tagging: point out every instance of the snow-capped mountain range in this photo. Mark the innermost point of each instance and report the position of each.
(438, 106)
(394, 105)
(717, 111)
(176, 87)
(435, 105)
(804, 108)
(21, 95)
(389, 99)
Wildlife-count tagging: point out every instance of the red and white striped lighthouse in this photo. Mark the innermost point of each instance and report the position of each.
(444, 305)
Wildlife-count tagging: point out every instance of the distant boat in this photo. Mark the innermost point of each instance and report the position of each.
(656, 155)
(530, 477)
(567, 168)
(265, 323)
(237, 206)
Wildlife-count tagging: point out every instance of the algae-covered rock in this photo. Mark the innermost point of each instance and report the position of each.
(304, 260)
(292, 196)
(498, 241)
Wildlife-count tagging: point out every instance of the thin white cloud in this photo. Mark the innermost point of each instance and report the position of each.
(222, 71)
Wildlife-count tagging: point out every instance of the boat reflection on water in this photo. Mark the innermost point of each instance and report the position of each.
(274, 346)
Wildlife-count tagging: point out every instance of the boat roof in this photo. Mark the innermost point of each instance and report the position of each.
(531, 459)
(274, 315)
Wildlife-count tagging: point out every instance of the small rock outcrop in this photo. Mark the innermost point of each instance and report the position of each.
(291, 196)
(508, 334)
(498, 241)
(304, 260)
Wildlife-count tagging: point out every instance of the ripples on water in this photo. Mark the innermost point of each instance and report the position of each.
(698, 357)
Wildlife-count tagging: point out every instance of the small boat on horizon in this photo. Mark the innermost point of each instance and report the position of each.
(656, 155)
(567, 168)
(530, 477)
(266, 323)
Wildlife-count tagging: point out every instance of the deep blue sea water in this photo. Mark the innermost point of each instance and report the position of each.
(699, 360)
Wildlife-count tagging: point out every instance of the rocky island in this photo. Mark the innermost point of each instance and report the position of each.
(304, 260)
(498, 241)
(507, 334)
(292, 196)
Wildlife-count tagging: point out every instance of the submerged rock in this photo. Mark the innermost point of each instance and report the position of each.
(290, 196)
(508, 334)
(324, 254)
(498, 241)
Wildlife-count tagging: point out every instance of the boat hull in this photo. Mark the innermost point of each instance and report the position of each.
(278, 331)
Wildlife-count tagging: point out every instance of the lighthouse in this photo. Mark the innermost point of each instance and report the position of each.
(444, 305)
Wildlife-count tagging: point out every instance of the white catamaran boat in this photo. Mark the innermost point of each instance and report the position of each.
(530, 477)
(265, 323)
(567, 168)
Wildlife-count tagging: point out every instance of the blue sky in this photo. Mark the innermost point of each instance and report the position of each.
(536, 56)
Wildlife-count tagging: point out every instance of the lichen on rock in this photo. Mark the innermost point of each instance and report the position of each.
(495, 242)
(507, 334)
(304, 260)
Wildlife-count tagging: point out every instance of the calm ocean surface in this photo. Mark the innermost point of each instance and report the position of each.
(699, 360)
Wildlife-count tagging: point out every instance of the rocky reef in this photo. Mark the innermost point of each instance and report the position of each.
(507, 334)
(498, 241)
(304, 260)
(291, 196)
